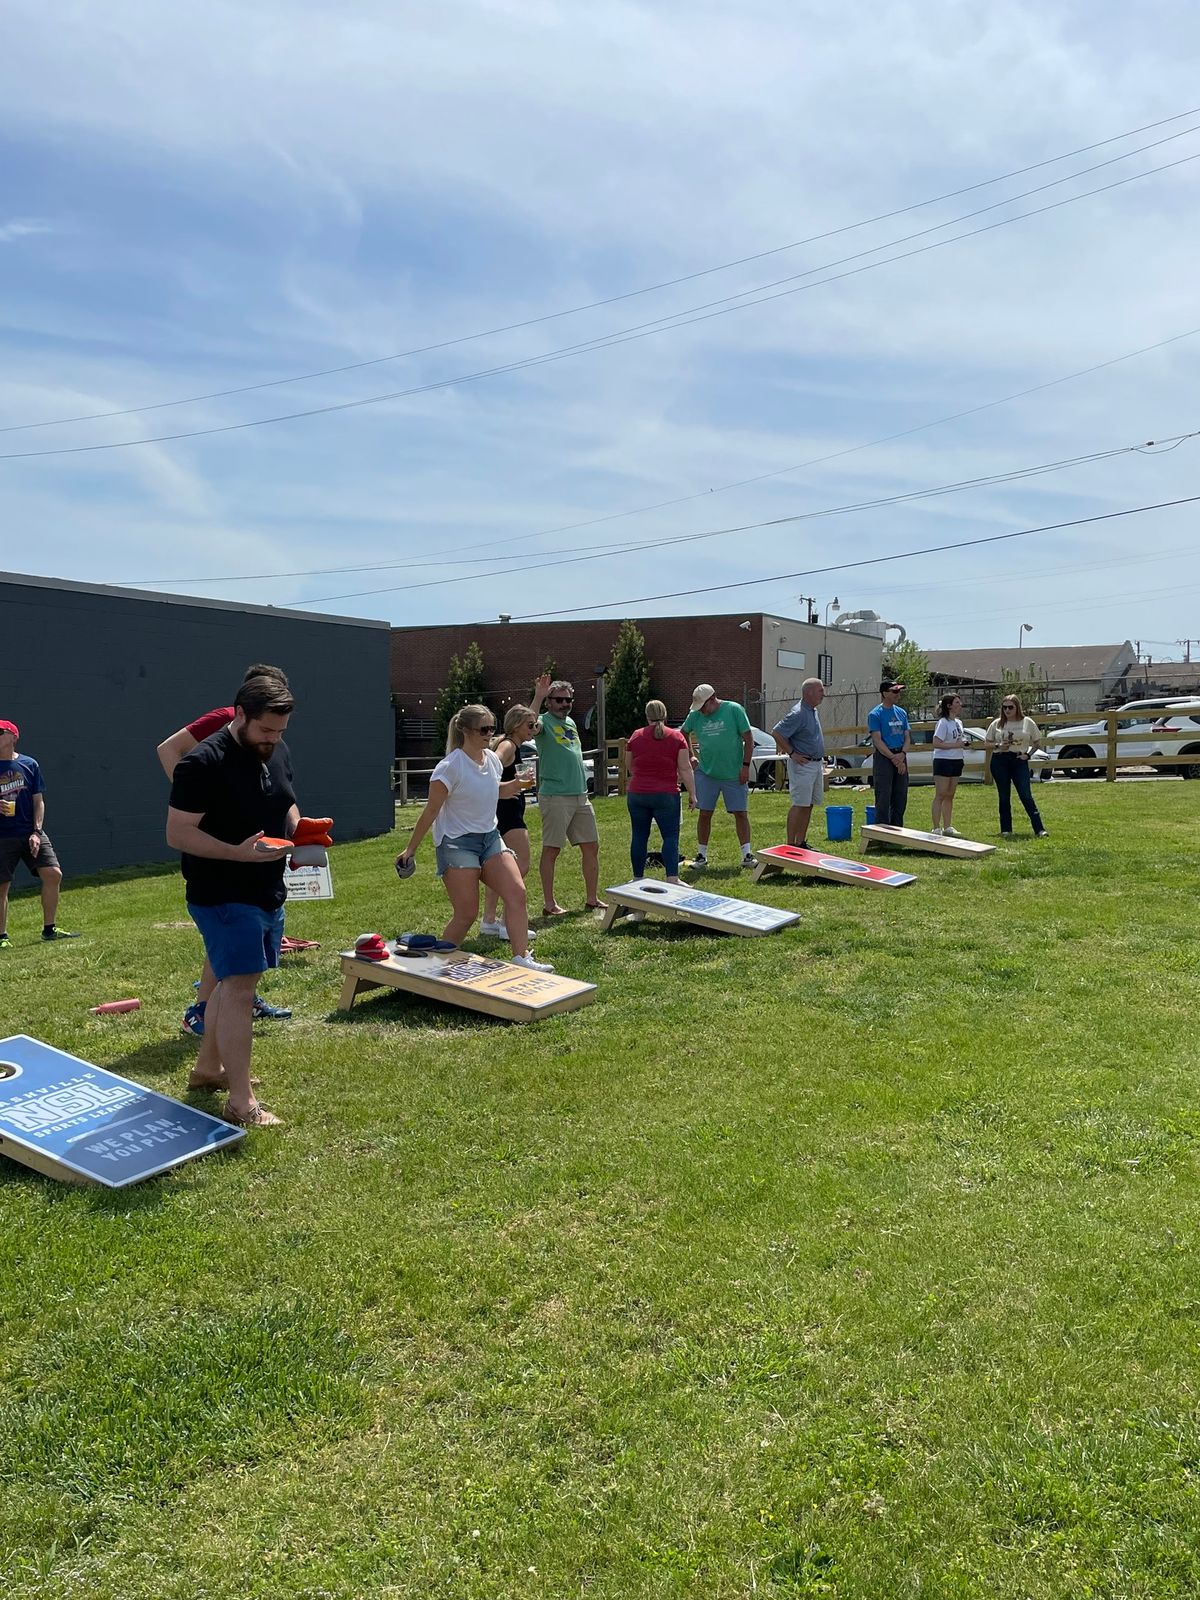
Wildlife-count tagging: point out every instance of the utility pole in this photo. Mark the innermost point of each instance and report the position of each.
(809, 600)
(600, 770)
(1187, 648)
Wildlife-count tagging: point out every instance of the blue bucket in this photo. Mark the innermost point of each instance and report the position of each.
(870, 815)
(839, 822)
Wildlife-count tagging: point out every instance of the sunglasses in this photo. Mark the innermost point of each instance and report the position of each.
(562, 699)
(486, 727)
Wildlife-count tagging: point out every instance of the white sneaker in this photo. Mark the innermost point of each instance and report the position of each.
(635, 916)
(938, 831)
(534, 966)
(497, 930)
(952, 833)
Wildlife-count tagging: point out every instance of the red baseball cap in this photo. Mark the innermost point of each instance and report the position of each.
(10, 727)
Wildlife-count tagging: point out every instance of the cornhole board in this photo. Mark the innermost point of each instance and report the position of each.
(477, 983)
(914, 839)
(792, 858)
(680, 902)
(308, 883)
(67, 1119)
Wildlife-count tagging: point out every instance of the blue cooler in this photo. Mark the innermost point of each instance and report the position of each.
(870, 815)
(839, 822)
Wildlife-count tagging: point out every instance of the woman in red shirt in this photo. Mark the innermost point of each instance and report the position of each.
(659, 762)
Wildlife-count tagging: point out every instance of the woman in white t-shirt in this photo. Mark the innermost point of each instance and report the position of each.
(461, 810)
(949, 742)
(1014, 737)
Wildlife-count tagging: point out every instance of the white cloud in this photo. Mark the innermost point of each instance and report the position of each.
(417, 173)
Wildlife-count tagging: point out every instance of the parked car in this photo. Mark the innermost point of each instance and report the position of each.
(764, 760)
(1179, 731)
(1089, 740)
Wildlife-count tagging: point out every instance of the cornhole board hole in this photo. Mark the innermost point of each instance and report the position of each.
(792, 858)
(914, 839)
(477, 983)
(680, 902)
(67, 1119)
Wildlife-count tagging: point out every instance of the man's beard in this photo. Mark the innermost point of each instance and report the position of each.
(264, 752)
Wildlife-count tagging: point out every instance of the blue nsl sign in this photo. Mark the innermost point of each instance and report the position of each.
(69, 1119)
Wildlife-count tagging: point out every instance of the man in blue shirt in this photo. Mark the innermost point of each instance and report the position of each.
(23, 835)
(799, 737)
(888, 727)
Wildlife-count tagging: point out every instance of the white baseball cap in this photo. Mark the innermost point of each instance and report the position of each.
(703, 692)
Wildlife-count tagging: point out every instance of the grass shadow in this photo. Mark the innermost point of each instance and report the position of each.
(395, 1007)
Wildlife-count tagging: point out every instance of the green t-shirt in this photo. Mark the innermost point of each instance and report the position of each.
(720, 739)
(560, 757)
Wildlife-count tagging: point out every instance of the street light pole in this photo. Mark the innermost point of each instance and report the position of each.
(1026, 627)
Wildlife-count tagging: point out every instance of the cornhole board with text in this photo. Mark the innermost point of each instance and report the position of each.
(70, 1120)
(792, 858)
(680, 902)
(308, 883)
(478, 983)
(914, 839)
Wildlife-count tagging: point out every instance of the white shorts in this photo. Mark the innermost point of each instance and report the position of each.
(806, 781)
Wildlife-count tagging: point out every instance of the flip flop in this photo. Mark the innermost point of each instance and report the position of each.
(289, 946)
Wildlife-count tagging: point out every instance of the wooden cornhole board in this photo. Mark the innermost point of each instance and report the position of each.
(67, 1119)
(791, 858)
(478, 983)
(914, 839)
(680, 902)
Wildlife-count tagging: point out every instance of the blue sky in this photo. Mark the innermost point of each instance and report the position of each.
(198, 197)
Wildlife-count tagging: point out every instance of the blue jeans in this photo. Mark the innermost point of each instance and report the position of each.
(643, 810)
(1010, 772)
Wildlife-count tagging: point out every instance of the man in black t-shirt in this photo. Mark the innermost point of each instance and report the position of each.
(228, 793)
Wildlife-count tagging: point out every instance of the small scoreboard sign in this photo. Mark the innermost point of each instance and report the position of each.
(68, 1119)
(308, 883)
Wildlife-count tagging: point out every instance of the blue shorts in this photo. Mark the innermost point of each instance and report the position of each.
(735, 795)
(239, 939)
(469, 850)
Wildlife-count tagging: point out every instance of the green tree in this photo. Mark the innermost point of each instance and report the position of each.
(627, 684)
(908, 664)
(463, 687)
(1029, 688)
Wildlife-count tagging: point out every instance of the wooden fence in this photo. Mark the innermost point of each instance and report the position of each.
(849, 743)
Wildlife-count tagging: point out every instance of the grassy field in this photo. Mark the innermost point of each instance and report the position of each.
(857, 1261)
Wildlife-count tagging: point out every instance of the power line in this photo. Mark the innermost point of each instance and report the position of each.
(639, 331)
(1017, 474)
(702, 494)
(596, 305)
(847, 566)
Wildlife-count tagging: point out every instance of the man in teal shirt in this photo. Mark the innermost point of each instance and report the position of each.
(567, 815)
(722, 744)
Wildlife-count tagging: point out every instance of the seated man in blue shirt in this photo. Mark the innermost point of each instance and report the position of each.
(799, 737)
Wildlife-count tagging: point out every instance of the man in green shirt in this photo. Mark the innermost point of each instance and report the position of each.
(722, 744)
(566, 811)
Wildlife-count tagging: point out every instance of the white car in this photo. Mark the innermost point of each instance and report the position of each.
(1089, 740)
(1178, 730)
(764, 760)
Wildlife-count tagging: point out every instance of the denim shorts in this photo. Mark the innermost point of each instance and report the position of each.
(239, 939)
(735, 795)
(469, 850)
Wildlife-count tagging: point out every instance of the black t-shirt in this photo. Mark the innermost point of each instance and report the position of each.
(239, 794)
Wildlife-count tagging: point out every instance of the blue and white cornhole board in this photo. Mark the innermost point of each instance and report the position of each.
(70, 1120)
(680, 902)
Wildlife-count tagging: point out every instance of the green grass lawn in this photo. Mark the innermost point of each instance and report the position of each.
(860, 1260)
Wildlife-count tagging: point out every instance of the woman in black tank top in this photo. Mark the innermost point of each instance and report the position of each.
(519, 724)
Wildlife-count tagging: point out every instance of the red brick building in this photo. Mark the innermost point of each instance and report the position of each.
(759, 660)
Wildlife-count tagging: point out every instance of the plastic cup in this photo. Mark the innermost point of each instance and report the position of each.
(526, 773)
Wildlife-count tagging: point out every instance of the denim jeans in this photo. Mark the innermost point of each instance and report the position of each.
(643, 810)
(891, 792)
(1010, 772)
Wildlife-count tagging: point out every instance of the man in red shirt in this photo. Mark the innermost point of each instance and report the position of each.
(170, 753)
